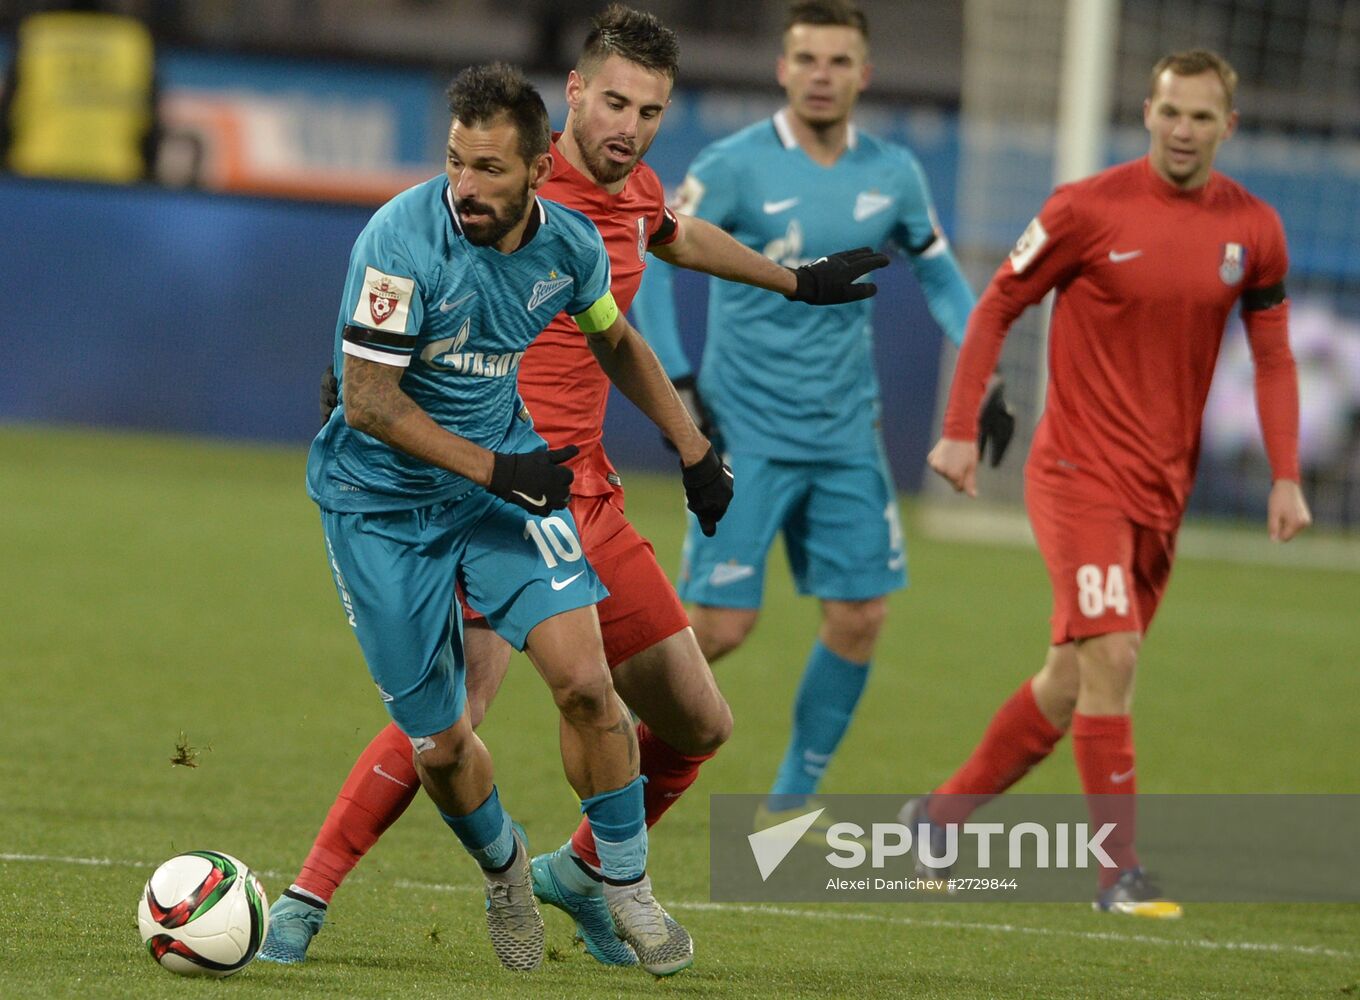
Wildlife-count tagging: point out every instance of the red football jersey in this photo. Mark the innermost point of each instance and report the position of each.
(560, 381)
(1146, 275)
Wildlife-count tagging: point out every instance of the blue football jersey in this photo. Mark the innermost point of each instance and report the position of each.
(457, 318)
(785, 379)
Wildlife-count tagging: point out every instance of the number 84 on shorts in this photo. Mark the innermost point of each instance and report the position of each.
(1098, 592)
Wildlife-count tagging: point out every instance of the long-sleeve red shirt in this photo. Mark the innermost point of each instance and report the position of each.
(560, 381)
(1146, 275)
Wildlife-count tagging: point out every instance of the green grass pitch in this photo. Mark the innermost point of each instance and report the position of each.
(156, 585)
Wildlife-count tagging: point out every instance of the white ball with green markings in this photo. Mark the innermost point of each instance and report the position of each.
(203, 913)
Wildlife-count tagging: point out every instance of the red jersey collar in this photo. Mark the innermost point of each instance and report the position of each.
(1161, 186)
(564, 169)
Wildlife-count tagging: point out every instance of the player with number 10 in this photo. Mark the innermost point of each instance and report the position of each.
(617, 97)
(429, 475)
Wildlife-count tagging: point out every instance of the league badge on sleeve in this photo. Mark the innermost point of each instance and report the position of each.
(385, 301)
(1234, 263)
(1029, 244)
(690, 194)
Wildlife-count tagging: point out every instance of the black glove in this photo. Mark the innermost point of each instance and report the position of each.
(708, 490)
(829, 281)
(996, 424)
(688, 389)
(534, 480)
(330, 393)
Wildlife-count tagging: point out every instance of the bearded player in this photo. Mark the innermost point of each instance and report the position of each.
(1148, 258)
(616, 97)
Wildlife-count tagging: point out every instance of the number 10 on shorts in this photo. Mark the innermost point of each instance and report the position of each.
(1098, 593)
(555, 540)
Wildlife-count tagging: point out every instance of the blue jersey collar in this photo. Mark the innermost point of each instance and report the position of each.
(784, 130)
(458, 227)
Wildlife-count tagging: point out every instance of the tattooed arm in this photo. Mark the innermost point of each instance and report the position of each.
(376, 405)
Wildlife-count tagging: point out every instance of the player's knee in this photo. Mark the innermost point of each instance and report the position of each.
(710, 732)
(1058, 684)
(1061, 672)
(1110, 660)
(586, 697)
(851, 628)
(720, 631)
(445, 753)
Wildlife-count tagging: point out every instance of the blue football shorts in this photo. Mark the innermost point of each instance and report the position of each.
(841, 531)
(396, 572)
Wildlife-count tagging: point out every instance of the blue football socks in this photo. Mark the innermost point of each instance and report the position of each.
(830, 690)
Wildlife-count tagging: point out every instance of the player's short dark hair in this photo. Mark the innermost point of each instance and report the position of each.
(482, 95)
(842, 13)
(629, 34)
(1193, 62)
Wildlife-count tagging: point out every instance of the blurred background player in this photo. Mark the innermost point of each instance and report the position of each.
(1148, 258)
(448, 284)
(616, 100)
(792, 394)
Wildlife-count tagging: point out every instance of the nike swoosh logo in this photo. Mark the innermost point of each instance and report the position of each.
(775, 207)
(446, 306)
(1119, 258)
(535, 501)
(378, 770)
(1119, 779)
(725, 573)
(559, 584)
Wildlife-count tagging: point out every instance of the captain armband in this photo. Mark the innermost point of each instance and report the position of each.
(600, 316)
(1256, 299)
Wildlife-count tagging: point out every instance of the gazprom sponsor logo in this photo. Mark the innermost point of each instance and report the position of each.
(787, 249)
(448, 354)
(476, 363)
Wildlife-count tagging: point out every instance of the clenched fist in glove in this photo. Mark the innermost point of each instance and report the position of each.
(708, 490)
(534, 480)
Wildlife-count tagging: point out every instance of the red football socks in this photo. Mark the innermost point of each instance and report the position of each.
(1017, 738)
(380, 786)
(668, 773)
(1103, 746)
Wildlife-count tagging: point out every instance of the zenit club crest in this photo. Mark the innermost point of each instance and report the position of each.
(544, 290)
(1234, 263)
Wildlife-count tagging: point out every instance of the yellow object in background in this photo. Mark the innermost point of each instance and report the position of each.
(84, 100)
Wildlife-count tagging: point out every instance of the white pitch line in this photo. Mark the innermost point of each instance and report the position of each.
(1317, 951)
(965, 925)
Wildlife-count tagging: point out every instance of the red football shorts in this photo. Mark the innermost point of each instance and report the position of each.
(642, 607)
(1108, 573)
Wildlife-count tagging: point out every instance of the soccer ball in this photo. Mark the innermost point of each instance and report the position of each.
(203, 914)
